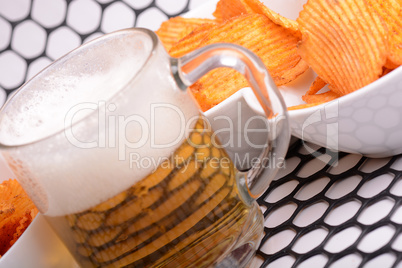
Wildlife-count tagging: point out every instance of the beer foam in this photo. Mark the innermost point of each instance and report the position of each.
(117, 137)
(72, 80)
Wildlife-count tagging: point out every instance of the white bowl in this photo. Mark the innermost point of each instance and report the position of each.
(367, 121)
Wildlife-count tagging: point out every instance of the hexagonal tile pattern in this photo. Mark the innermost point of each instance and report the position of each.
(49, 13)
(5, 33)
(363, 220)
(29, 39)
(117, 16)
(12, 69)
(310, 240)
(343, 239)
(138, 4)
(278, 241)
(47, 29)
(93, 36)
(15, 10)
(80, 19)
(151, 18)
(37, 65)
(62, 41)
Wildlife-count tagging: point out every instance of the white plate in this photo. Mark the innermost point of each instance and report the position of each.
(367, 121)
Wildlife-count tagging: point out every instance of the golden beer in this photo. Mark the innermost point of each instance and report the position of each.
(186, 213)
(68, 134)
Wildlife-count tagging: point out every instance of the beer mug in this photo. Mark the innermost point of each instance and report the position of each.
(114, 151)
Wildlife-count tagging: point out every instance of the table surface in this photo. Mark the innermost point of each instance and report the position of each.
(324, 209)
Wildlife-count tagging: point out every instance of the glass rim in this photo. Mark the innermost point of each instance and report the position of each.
(72, 54)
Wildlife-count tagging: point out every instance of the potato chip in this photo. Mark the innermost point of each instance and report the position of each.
(191, 41)
(320, 98)
(274, 44)
(390, 65)
(344, 41)
(303, 106)
(312, 96)
(16, 213)
(9, 189)
(260, 8)
(176, 28)
(317, 85)
(391, 13)
(217, 86)
(226, 9)
(386, 71)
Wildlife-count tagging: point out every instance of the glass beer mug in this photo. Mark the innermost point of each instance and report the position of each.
(115, 153)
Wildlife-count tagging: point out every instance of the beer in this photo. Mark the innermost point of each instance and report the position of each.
(188, 212)
(69, 135)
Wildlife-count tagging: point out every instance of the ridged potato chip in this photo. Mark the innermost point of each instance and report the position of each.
(176, 28)
(391, 13)
(317, 85)
(344, 41)
(313, 97)
(192, 41)
(348, 43)
(320, 98)
(386, 71)
(274, 44)
(226, 9)
(16, 213)
(260, 8)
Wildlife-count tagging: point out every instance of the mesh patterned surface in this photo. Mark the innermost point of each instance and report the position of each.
(33, 33)
(333, 210)
(324, 210)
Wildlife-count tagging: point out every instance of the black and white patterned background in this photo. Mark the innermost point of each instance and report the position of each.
(333, 211)
(33, 33)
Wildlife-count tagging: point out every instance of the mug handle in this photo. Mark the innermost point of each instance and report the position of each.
(191, 67)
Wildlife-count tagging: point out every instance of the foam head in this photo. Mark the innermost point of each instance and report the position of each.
(71, 132)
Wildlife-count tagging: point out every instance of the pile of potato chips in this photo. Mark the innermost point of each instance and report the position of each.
(348, 43)
(16, 213)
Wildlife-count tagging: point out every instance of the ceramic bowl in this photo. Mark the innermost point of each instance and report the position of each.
(367, 121)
